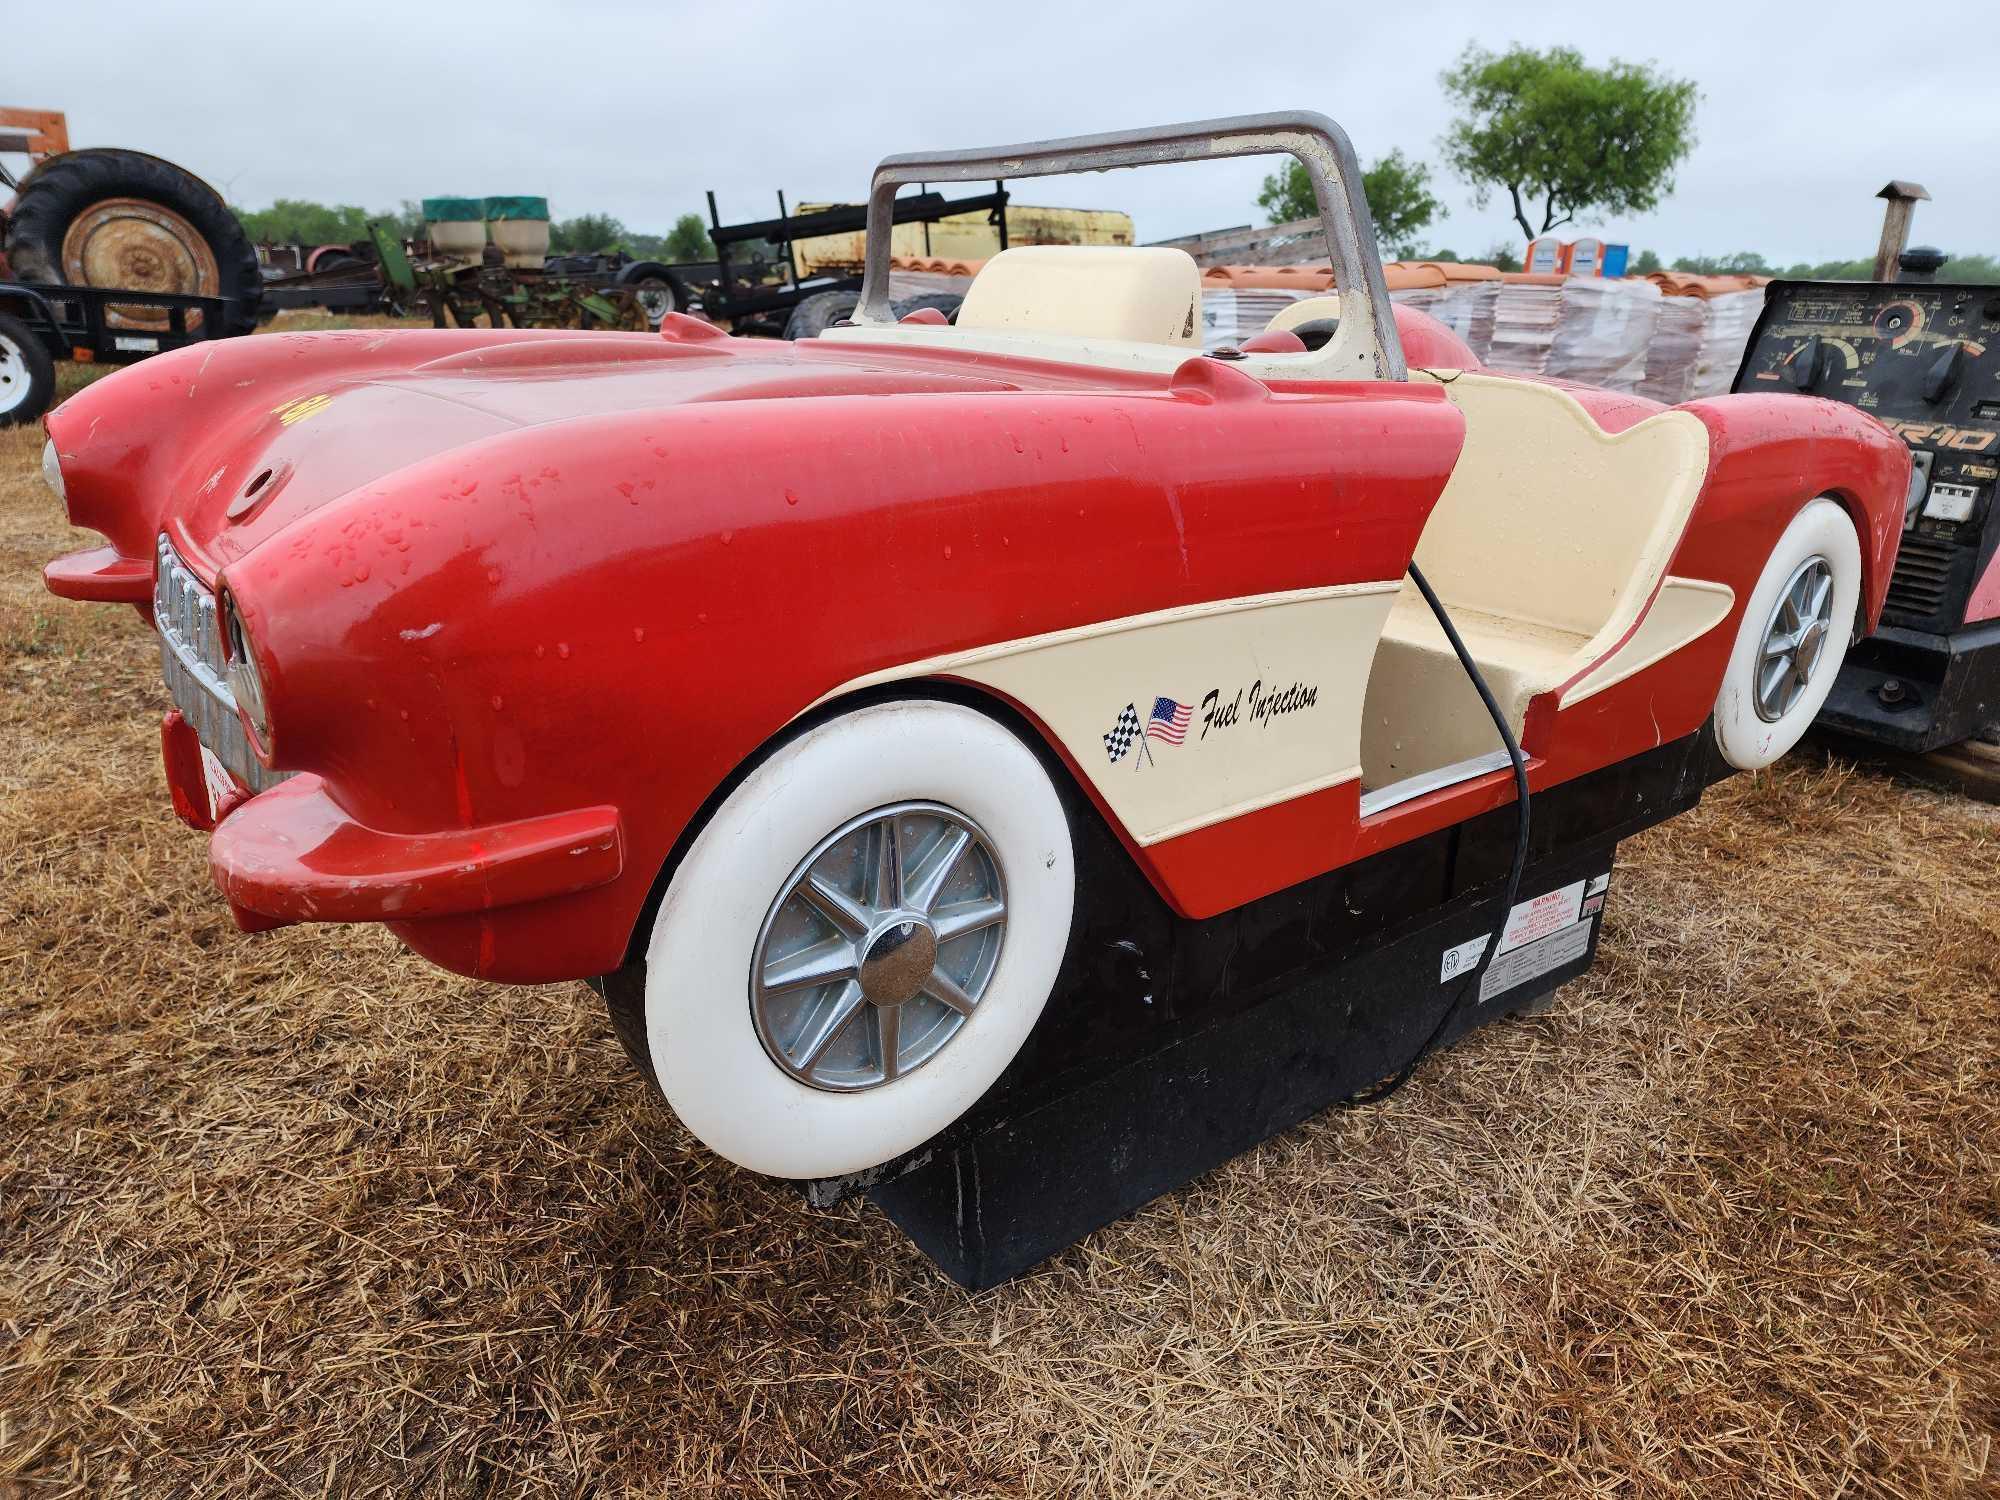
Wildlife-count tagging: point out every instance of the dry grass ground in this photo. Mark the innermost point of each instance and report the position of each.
(300, 1215)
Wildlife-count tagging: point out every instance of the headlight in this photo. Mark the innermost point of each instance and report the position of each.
(246, 682)
(52, 470)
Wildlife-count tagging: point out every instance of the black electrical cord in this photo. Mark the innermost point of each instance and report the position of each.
(1470, 985)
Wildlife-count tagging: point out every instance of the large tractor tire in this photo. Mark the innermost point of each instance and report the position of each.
(819, 312)
(113, 218)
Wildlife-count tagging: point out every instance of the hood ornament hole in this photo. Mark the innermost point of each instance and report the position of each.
(258, 492)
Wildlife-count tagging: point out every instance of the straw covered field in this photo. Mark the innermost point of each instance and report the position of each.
(300, 1215)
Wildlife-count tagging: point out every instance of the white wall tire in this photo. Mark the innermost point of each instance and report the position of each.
(701, 1036)
(1764, 708)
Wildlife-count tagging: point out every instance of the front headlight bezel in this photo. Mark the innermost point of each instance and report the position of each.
(52, 474)
(245, 676)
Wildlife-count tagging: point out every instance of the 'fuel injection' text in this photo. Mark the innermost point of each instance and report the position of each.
(1265, 705)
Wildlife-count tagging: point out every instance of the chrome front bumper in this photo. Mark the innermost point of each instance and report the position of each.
(191, 661)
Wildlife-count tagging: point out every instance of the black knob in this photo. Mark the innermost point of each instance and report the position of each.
(1943, 373)
(1804, 365)
(1920, 263)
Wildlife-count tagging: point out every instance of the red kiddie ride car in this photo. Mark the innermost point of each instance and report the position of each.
(780, 679)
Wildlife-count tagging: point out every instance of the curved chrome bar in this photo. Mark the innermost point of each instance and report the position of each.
(1366, 345)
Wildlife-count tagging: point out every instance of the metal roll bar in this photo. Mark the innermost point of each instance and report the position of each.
(1365, 346)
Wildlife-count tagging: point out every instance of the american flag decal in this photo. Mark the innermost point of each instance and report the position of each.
(1126, 730)
(1169, 720)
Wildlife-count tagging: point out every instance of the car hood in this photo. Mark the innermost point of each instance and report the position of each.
(285, 429)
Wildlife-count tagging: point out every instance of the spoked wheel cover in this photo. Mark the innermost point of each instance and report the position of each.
(1791, 637)
(877, 951)
(746, 899)
(1794, 638)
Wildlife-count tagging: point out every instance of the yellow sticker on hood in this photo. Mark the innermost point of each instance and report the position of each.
(299, 410)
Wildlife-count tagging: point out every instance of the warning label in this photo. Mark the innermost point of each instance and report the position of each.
(1533, 924)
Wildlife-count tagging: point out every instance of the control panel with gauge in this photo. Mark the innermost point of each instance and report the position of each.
(1925, 358)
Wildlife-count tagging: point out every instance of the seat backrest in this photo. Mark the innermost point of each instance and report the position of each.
(1549, 518)
(1148, 294)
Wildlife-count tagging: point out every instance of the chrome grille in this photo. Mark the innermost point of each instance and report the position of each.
(191, 661)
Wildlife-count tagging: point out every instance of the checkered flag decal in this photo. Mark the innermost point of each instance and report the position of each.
(1126, 730)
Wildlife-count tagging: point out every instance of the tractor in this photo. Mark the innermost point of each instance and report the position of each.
(107, 254)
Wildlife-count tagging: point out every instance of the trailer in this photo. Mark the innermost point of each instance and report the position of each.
(107, 255)
(762, 288)
(41, 325)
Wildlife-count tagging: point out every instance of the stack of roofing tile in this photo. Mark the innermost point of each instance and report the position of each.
(1524, 322)
(937, 265)
(1703, 326)
(1604, 331)
(1731, 315)
(1675, 349)
(921, 283)
(1464, 303)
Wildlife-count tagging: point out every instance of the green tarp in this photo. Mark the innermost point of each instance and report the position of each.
(453, 211)
(516, 208)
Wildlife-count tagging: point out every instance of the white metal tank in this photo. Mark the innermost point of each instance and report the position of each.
(520, 227)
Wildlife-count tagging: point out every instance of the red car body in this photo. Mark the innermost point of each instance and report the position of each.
(527, 603)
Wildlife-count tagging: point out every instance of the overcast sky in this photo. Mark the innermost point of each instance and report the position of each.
(635, 109)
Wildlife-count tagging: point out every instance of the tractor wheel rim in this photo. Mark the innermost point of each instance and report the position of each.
(128, 242)
(14, 380)
(1794, 639)
(879, 946)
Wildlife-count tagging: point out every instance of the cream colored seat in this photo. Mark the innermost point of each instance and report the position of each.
(1139, 294)
(1548, 542)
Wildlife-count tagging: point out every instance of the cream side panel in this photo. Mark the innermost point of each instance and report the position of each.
(1685, 611)
(1273, 684)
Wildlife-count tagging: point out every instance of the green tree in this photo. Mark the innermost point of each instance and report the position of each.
(1397, 190)
(688, 239)
(1561, 137)
(1501, 256)
(407, 222)
(299, 221)
(1643, 264)
(586, 234)
(1740, 263)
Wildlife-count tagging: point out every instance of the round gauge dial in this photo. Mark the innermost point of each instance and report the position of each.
(1899, 323)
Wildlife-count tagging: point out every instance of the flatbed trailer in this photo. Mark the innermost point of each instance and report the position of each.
(761, 291)
(43, 324)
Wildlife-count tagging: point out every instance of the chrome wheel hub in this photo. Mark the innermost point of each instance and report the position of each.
(879, 947)
(1794, 639)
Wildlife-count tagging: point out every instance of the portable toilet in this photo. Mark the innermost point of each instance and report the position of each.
(1584, 257)
(1544, 257)
(456, 227)
(520, 227)
(1616, 259)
